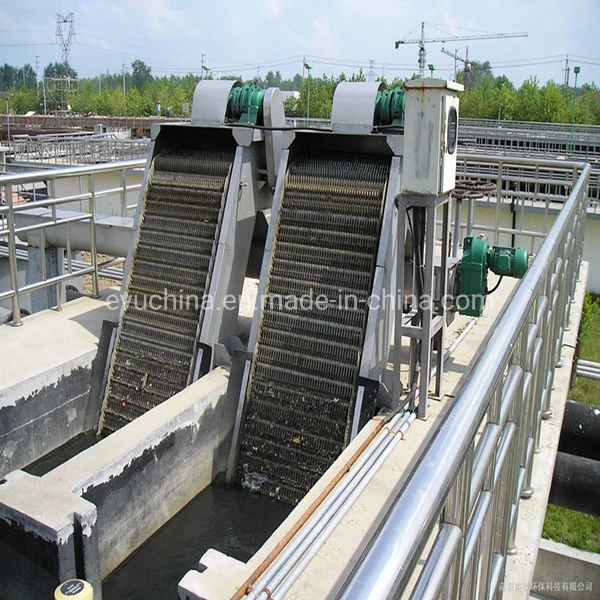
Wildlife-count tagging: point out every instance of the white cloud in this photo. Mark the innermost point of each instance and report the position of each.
(320, 39)
(161, 19)
(274, 8)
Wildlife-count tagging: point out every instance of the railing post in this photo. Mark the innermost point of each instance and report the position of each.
(123, 193)
(498, 201)
(93, 249)
(456, 512)
(12, 257)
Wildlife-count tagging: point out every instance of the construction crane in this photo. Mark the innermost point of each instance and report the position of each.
(465, 61)
(451, 38)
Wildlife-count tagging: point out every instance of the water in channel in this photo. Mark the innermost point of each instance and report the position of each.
(222, 517)
(229, 519)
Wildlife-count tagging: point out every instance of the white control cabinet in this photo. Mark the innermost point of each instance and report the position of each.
(430, 136)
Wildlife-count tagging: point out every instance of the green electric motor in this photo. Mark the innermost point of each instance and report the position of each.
(471, 282)
(389, 108)
(245, 104)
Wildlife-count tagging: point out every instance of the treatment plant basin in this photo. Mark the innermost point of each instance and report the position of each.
(114, 496)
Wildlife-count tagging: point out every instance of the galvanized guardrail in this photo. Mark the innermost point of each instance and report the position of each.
(465, 489)
(466, 486)
(532, 126)
(522, 138)
(13, 186)
(77, 148)
(522, 185)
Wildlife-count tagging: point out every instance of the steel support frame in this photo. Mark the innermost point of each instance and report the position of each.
(431, 310)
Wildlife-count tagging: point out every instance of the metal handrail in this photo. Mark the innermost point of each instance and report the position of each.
(76, 148)
(525, 344)
(88, 193)
(466, 122)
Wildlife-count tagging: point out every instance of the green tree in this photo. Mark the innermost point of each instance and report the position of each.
(7, 77)
(59, 70)
(588, 105)
(25, 77)
(24, 100)
(140, 74)
(320, 90)
(117, 102)
(552, 105)
(102, 102)
(527, 100)
(504, 98)
(479, 71)
(273, 79)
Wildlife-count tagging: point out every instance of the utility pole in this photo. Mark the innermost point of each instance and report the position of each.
(202, 66)
(567, 71)
(124, 67)
(8, 119)
(37, 78)
(576, 71)
(308, 68)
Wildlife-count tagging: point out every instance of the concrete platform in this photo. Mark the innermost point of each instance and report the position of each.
(45, 377)
(564, 573)
(87, 502)
(83, 518)
(221, 577)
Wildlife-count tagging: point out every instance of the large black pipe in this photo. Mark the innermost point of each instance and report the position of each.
(580, 434)
(576, 483)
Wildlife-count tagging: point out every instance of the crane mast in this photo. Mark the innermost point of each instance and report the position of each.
(452, 38)
(465, 61)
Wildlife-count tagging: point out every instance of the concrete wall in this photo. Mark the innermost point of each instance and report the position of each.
(45, 378)
(87, 515)
(34, 425)
(47, 535)
(565, 573)
(25, 300)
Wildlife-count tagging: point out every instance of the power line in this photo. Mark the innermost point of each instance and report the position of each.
(32, 44)
(25, 30)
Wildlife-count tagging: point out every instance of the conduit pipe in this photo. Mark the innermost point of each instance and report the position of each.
(318, 527)
(460, 338)
(588, 369)
(338, 514)
(321, 524)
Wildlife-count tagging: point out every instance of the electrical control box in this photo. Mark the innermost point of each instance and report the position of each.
(430, 136)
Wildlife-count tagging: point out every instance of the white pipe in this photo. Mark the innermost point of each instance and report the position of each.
(460, 338)
(313, 522)
(314, 526)
(339, 515)
(588, 375)
(112, 233)
(588, 363)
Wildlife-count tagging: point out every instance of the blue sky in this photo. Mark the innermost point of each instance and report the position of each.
(248, 37)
